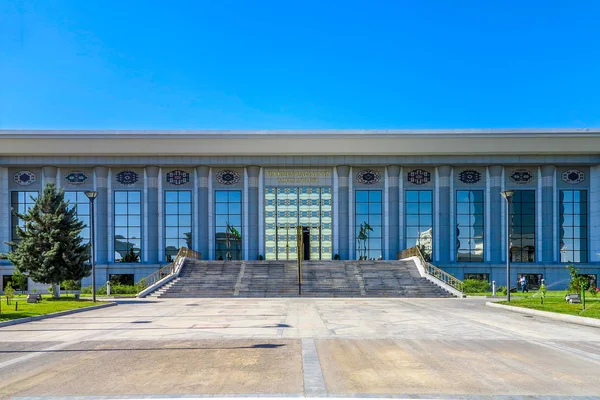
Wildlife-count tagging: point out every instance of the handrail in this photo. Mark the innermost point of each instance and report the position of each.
(169, 269)
(431, 269)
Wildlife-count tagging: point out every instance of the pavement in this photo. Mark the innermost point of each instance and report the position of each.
(401, 348)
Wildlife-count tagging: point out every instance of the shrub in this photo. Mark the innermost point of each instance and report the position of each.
(476, 286)
(501, 289)
(115, 288)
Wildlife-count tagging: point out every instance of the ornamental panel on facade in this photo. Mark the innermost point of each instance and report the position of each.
(76, 178)
(520, 177)
(224, 178)
(124, 178)
(417, 177)
(469, 177)
(177, 177)
(25, 178)
(368, 177)
(572, 177)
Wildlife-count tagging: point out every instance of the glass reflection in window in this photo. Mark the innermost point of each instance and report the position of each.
(128, 225)
(368, 210)
(20, 202)
(419, 221)
(522, 226)
(228, 224)
(82, 210)
(178, 221)
(469, 225)
(573, 226)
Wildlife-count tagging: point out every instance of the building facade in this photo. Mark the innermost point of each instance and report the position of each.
(243, 194)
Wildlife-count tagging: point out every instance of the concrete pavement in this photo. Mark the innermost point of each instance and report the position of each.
(313, 347)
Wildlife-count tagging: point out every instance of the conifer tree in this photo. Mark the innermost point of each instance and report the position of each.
(51, 249)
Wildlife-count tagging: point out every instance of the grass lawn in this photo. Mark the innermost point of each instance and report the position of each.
(549, 293)
(46, 306)
(559, 305)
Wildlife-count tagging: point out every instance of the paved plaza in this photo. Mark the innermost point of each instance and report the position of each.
(415, 348)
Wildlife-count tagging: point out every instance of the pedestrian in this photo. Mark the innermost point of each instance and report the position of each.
(524, 284)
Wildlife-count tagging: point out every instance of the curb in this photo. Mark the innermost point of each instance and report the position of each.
(56, 314)
(573, 319)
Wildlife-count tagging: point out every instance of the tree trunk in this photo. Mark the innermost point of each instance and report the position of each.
(56, 291)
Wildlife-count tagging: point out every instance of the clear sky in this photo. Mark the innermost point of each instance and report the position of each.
(219, 64)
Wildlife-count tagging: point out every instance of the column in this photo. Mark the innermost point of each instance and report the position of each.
(203, 172)
(393, 209)
(253, 206)
(495, 217)
(5, 216)
(103, 214)
(443, 244)
(151, 212)
(343, 172)
(547, 228)
(594, 204)
(48, 176)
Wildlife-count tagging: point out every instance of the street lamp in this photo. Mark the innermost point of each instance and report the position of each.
(507, 194)
(92, 194)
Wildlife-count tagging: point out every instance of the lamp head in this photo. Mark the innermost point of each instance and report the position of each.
(507, 194)
(91, 194)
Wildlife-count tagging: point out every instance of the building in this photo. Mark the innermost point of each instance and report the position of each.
(159, 190)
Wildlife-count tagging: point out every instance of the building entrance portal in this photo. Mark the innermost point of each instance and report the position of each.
(286, 209)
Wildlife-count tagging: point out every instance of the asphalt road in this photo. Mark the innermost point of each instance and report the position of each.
(418, 348)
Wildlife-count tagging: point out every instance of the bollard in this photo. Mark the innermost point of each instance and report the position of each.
(493, 288)
(16, 306)
(108, 288)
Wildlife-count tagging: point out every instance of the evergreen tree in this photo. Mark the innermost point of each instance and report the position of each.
(51, 249)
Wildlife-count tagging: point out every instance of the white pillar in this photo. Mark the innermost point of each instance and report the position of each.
(594, 255)
(4, 210)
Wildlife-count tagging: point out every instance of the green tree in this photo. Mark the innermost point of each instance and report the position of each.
(51, 249)
(19, 280)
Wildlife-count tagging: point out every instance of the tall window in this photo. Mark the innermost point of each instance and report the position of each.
(573, 226)
(419, 221)
(469, 225)
(82, 210)
(178, 221)
(21, 202)
(228, 224)
(128, 226)
(522, 226)
(368, 210)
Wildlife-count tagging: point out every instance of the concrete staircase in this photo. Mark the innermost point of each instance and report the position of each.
(280, 279)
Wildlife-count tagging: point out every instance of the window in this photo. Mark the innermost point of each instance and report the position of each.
(128, 225)
(121, 279)
(522, 226)
(9, 278)
(533, 281)
(469, 225)
(368, 210)
(228, 224)
(82, 204)
(478, 277)
(20, 202)
(573, 226)
(178, 221)
(419, 221)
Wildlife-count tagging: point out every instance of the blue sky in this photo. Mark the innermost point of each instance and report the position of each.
(299, 65)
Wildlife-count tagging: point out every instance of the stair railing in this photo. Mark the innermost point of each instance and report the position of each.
(170, 269)
(431, 269)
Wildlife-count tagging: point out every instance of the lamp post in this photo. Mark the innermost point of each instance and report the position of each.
(508, 194)
(91, 195)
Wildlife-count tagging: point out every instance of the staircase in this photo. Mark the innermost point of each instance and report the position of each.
(280, 279)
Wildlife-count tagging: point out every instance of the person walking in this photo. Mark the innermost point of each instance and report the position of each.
(523, 284)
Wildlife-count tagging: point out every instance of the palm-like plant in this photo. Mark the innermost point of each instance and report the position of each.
(363, 236)
(232, 234)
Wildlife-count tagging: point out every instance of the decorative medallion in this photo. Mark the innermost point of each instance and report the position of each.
(24, 178)
(419, 176)
(127, 177)
(368, 177)
(178, 177)
(521, 176)
(469, 176)
(228, 177)
(573, 176)
(76, 177)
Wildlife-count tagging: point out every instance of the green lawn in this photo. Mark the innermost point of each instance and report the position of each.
(559, 305)
(549, 293)
(46, 306)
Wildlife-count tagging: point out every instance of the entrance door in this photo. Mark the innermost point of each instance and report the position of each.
(287, 208)
(306, 242)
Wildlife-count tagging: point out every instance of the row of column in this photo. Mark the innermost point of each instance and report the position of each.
(444, 222)
(494, 240)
